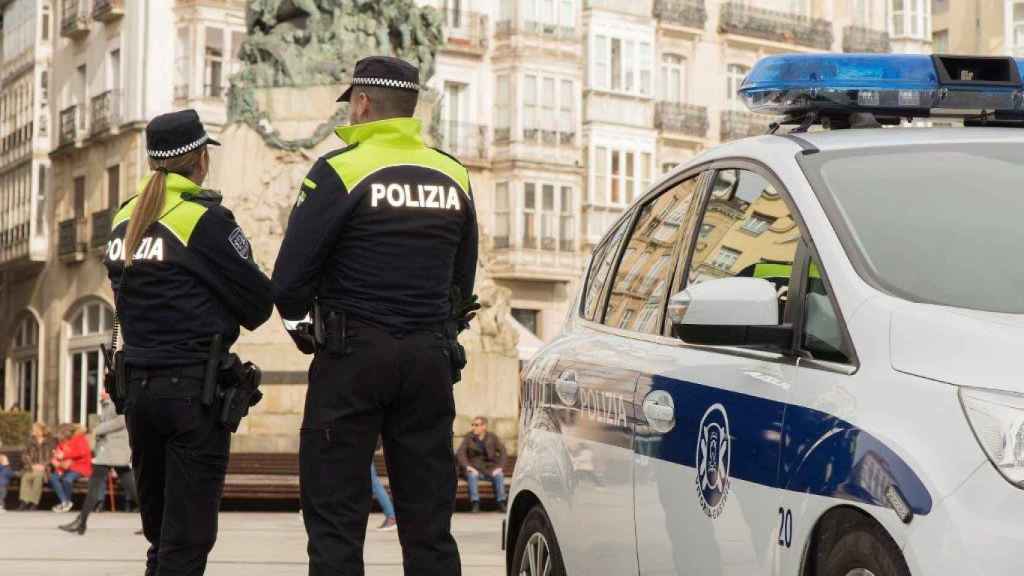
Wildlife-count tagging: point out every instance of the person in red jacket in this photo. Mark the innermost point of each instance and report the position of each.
(72, 459)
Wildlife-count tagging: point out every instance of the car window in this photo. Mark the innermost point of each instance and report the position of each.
(746, 230)
(600, 268)
(641, 280)
(822, 331)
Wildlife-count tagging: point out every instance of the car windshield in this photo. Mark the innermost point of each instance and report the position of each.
(937, 224)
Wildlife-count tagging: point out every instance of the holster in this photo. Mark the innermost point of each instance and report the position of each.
(239, 390)
(334, 333)
(115, 378)
(456, 352)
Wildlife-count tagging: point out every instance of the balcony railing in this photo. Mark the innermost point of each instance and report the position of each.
(14, 242)
(465, 31)
(775, 26)
(69, 125)
(106, 111)
(557, 265)
(107, 10)
(74, 21)
(535, 28)
(101, 227)
(70, 245)
(683, 118)
(691, 13)
(861, 39)
(738, 124)
(464, 140)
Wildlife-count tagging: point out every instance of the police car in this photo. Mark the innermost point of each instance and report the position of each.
(800, 353)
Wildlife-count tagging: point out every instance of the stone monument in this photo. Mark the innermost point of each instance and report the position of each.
(297, 58)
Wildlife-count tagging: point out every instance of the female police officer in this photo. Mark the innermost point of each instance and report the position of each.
(182, 272)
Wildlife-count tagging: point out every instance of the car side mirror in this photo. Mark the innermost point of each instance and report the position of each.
(738, 311)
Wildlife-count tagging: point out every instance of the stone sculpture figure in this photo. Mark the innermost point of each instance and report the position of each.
(317, 42)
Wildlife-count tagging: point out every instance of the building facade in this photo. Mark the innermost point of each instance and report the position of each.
(102, 71)
(25, 127)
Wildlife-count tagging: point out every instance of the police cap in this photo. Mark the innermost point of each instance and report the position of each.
(171, 135)
(384, 71)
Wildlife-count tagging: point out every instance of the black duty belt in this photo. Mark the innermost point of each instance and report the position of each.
(189, 371)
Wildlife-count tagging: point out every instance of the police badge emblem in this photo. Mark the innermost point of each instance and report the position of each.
(714, 449)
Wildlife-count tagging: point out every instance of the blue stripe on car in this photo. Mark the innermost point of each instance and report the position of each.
(815, 453)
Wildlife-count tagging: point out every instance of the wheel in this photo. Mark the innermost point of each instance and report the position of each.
(864, 549)
(537, 552)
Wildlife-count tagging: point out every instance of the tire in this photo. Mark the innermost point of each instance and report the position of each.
(864, 549)
(536, 537)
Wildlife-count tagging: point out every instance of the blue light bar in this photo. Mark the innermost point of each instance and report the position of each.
(889, 84)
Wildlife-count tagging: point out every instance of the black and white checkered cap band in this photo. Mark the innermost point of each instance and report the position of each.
(386, 82)
(180, 150)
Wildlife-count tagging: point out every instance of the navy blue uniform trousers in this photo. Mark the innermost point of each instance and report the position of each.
(180, 459)
(398, 386)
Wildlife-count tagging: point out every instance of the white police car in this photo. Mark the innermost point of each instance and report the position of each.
(800, 353)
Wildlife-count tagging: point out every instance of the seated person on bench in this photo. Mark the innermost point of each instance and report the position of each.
(482, 454)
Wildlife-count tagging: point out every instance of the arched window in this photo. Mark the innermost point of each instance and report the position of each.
(24, 355)
(89, 327)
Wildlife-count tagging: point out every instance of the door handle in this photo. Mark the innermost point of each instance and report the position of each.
(660, 411)
(567, 388)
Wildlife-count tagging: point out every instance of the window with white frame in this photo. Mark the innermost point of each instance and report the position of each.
(24, 356)
(911, 19)
(673, 78)
(548, 217)
(758, 223)
(213, 66)
(621, 65)
(548, 16)
(1018, 28)
(502, 108)
(726, 258)
(502, 215)
(89, 328)
(620, 175)
(182, 64)
(735, 73)
(548, 110)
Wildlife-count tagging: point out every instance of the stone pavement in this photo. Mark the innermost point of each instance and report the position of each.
(250, 544)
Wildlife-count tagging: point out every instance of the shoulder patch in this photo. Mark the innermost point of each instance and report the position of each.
(439, 151)
(334, 153)
(239, 242)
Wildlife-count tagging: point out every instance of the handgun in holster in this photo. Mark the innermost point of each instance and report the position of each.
(240, 382)
(335, 332)
(456, 351)
(115, 377)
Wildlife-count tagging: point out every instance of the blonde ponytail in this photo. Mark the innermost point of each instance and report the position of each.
(151, 201)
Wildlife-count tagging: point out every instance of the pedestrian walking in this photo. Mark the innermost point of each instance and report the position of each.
(112, 453)
(184, 279)
(382, 232)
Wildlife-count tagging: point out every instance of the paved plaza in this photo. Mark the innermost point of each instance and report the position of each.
(250, 544)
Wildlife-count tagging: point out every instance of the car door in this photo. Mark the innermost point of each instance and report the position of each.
(708, 440)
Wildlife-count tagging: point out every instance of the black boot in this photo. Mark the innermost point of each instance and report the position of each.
(77, 525)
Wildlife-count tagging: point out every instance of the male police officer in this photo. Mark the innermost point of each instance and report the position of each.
(381, 231)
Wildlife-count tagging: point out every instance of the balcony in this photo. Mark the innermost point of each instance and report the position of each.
(465, 32)
(467, 142)
(101, 228)
(681, 118)
(69, 124)
(687, 13)
(14, 243)
(775, 26)
(74, 23)
(107, 10)
(513, 263)
(861, 39)
(737, 124)
(542, 30)
(106, 111)
(70, 240)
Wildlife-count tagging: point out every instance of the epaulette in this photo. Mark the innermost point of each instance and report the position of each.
(340, 151)
(204, 196)
(457, 161)
(125, 203)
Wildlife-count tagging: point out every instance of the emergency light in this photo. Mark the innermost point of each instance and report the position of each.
(886, 85)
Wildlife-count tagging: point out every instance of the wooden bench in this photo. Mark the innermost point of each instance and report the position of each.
(275, 476)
